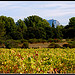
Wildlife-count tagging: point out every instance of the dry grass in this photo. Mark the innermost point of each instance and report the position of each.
(43, 45)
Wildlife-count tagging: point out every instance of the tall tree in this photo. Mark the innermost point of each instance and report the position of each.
(59, 31)
(2, 29)
(72, 21)
(35, 21)
(9, 26)
(49, 32)
(21, 29)
(69, 30)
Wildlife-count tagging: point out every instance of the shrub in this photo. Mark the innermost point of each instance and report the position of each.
(53, 45)
(57, 46)
(23, 40)
(54, 40)
(73, 39)
(37, 40)
(25, 45)
(31, 40)
(42, 40)
(1, 42)
(11, 44)
(66, 45)
(50, 40)
(8, 45)
(70, 45)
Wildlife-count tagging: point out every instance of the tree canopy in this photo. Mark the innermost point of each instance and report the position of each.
(34, 27)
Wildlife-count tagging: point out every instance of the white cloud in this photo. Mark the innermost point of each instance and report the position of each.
(44, 9)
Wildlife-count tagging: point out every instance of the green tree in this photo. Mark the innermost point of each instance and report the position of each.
(2, 29)
(72, 21)
(69, 30)
(40, 33)
(54, 32)
(21, 29)
(30, 32)
(35, 21)
(36, 27)
(33, 32)
(59, 31)
(9, 26)
(49, 32)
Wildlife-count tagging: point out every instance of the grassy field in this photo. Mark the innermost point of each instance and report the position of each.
(43, 60)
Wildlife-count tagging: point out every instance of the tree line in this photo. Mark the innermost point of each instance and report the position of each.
(34, 27)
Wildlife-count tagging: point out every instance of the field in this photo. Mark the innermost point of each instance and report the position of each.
(44, 45)
(42, 60)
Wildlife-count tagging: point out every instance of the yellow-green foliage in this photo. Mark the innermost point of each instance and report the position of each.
(44, 60)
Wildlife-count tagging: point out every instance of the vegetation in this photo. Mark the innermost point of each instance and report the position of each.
(25, 45)
(43, 60)
(71, 44)
(34, 27)
(53, 45)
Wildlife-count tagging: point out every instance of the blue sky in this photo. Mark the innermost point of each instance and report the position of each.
(58, 10)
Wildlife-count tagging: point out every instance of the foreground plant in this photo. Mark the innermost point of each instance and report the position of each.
(42, 60)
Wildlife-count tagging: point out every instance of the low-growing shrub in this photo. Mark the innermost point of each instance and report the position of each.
(11, 44)
(73, 39)
(31, 40)
(50, 40)
(1, 42)
(69, 45)
(25, 45)
(54, 40)
(66, 45)
(72, 46)
(37, 40)
(23, 40)
(42, 40)
(53, 45)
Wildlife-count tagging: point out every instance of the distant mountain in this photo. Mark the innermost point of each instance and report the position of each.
(53, 21)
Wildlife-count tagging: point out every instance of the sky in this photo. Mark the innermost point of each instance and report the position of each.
(61, 11)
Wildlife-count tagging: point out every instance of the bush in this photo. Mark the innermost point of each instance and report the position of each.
(57, 46)
(53, 45)
(1, 42)
(31, 40)
(8, 45)
(12, 44)
(41, 40)
(37, 40)
(23, 40)
(68, 39)
(54, 40)
(70, 45)
(73, 39)
(25, 45)
(50, 40)
(66, 45)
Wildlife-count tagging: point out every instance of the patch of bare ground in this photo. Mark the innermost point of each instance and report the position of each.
(44, 45)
